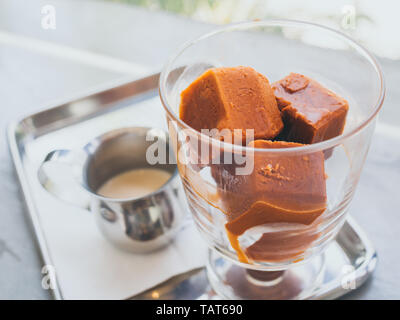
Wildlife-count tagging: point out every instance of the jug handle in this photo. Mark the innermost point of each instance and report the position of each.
(72, 163)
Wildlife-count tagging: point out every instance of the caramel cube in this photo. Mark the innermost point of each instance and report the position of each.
(281, 189)
(311, 113)
(290, 183)
(232, 98)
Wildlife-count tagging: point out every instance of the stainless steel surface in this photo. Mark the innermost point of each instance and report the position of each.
(45, 130)
(350, 260)
(136, 225)
(349, 267)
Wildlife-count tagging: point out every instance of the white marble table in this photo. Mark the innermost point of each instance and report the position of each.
(97, 42)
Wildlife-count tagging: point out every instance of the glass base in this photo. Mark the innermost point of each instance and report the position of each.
(230, 281)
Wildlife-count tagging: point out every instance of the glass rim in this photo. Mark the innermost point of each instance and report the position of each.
(242, 26)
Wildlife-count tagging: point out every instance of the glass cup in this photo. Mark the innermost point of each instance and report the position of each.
(262, 250)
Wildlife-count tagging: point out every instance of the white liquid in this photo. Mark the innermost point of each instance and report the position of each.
(134, 183)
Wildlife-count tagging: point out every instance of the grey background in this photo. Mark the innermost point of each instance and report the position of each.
(36, 70)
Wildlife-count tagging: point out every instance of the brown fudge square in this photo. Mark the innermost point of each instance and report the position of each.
(290, 185)
(232, 98)
(311, 112)
(281, 189)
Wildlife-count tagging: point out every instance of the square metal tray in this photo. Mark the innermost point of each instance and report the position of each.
(108, 108)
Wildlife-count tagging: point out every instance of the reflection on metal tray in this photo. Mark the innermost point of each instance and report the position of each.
(351, 251)
(349, 262)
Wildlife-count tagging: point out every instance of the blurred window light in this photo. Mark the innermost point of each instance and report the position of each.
(370, 22)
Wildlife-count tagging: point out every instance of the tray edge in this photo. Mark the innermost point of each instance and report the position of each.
(30, 204)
